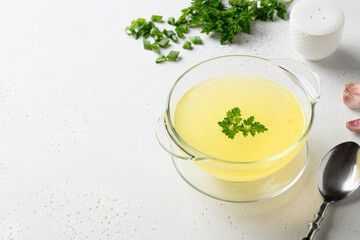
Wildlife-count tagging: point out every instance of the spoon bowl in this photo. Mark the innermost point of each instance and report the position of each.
(339, 172)
(338, 178)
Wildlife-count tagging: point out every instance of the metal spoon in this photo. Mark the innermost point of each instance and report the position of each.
(339, 177)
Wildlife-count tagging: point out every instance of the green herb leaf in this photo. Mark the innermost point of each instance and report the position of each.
(164, 42)
(196, 40)
(249, 126)
(161, 59)
(156, 18)
(233, 123)
(147, 45)
(230, 124)
(187, 45)
(172, 56)
(171, 21)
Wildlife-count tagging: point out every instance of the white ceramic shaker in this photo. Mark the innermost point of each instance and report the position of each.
(316, 28)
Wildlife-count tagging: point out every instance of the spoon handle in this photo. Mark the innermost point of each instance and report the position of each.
(314, 226)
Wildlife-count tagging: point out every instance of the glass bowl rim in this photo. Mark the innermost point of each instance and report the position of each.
(204, 156)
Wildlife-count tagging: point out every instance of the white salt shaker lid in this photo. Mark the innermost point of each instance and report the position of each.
(317, 17)
(316, 28)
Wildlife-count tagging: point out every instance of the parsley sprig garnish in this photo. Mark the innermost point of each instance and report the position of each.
(233, 123)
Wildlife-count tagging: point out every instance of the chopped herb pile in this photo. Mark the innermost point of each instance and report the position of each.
(212, 17)
(233, 123)
(161, 39)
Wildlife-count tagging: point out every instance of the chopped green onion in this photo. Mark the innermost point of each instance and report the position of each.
(141, 21)
(161, 59)
(150, 25)
(128, 30)
(137, 24)
(179, 33)
(156, 18)
(174, 38)
(147, 28)
(196, 40)
(187, 45)
(147, 45)
(165, 32)
(183, 28)
(163, 42)
(139, 27)
(155, 47)
(170, 34)
(156, 32)
(172, 56)
(171, 21)
(136, 35)
(157, 38)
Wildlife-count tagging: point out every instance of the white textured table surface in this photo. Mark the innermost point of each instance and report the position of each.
(79, 100)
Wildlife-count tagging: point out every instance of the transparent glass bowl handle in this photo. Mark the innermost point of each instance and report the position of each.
(166, 139)
(308, 79)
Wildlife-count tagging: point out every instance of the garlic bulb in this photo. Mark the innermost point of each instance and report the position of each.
(351, 95)
(353, 125)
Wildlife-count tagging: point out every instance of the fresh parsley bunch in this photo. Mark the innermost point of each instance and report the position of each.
(212, 16)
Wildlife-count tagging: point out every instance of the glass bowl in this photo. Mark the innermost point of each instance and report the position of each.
(241, 180)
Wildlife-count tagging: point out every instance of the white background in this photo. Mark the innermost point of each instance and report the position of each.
(79, 100)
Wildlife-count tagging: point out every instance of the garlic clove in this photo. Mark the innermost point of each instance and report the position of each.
(353, 125)
(351, 95)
